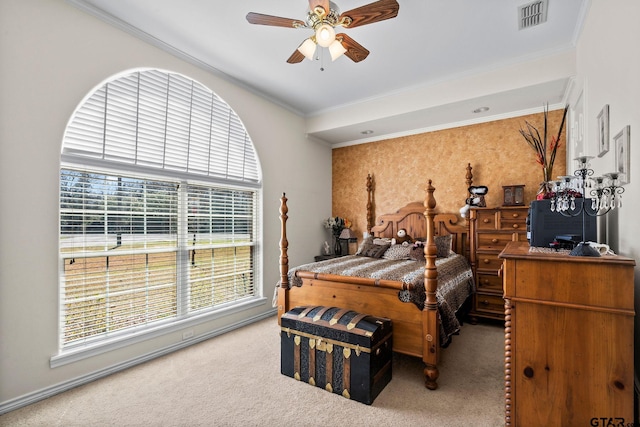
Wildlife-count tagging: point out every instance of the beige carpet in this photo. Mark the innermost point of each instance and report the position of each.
(235, 380)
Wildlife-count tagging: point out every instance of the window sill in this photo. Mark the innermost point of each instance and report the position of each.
(79, 353)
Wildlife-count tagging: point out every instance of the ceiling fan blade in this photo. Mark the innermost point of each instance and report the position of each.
(322, 3)
(355, 51)
(295, 57)
(276, 21)
(372, 12)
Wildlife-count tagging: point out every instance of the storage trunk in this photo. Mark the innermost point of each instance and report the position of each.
(340, 350)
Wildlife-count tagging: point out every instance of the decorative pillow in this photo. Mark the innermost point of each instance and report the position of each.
(443, 245)
(396, 252)
(416, 252)
(373, 251)
(365, 241)
(443, 248)
(381, 241)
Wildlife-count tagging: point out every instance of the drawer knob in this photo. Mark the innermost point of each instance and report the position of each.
(516, 225)
(494, 240)
(485, 281)
(486, 220)
(516, 215)
(486, 261)
(485, 302)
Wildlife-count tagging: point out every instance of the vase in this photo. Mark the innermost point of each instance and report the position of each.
(544, 192)
(337, 247)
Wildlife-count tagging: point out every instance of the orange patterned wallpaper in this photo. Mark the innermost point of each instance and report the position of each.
(402, 166)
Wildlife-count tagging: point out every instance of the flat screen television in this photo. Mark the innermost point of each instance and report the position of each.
(543, 225)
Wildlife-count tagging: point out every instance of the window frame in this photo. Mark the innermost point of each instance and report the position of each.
(71, 159)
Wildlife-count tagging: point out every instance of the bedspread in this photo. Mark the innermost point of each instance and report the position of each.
(455, 281)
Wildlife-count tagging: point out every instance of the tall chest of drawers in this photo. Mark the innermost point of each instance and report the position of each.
(491, 229)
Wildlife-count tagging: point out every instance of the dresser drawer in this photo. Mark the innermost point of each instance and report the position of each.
(513, 219)
(493, 241)
(486, 219)
(489, 303)
(489, 283)
(488, 262)
(513, 225)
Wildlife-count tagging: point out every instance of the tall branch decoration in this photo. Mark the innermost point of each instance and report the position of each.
(545, 148)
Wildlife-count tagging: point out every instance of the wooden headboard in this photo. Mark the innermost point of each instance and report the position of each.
(411, 218)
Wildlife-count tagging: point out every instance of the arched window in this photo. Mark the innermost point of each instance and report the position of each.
(159, 194)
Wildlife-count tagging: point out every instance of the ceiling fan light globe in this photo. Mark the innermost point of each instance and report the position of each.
(308, 49)
(325, 35)
(336, 50)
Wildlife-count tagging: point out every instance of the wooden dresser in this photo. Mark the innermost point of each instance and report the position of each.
(491, 230)
(568, 338)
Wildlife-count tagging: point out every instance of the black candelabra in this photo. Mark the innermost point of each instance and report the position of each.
(604, 193)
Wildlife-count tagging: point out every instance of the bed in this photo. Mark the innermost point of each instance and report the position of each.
(420, 309)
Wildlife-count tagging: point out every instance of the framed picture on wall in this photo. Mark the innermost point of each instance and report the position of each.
(623, 159)
(603, 131)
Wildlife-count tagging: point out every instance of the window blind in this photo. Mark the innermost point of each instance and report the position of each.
(118, 244)
(140, 249)
(166, 121)
(221, 224)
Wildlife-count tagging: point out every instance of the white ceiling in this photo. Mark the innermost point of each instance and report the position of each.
(425, 70)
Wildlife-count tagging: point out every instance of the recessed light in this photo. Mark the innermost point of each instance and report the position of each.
(367, 132)
(480, 110)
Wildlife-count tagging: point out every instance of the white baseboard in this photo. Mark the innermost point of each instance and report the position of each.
(45, 393)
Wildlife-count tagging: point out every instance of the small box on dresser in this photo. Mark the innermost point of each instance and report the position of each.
(490, 230)
(569, 324)
(340, 350)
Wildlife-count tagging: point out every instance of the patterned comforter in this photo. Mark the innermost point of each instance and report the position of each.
(455, 282)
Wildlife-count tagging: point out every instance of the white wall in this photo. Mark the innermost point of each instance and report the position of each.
(608, 64)
(52, 55)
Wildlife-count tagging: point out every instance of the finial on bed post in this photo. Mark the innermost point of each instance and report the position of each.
(369, 203)
(469, 177)
(430, 316)
(284, 244)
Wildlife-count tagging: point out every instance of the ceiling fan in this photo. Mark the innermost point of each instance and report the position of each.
(323, 17)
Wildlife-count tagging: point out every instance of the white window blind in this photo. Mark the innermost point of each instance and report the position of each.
(159, 190)
(119, 245)
(166, 121)
(221, 226)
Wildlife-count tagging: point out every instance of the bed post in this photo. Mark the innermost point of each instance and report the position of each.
(466, 250)
(430, 329)
(469, 176)
(369, 203)
(283, 291)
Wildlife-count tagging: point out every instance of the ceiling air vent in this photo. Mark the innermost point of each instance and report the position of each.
(532, 14)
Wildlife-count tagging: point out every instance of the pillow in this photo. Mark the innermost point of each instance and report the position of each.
(416, 252)
(443, 248)
(443, 245)
(373, 251)
(381, 241)
(397, 252)
(365, 241)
